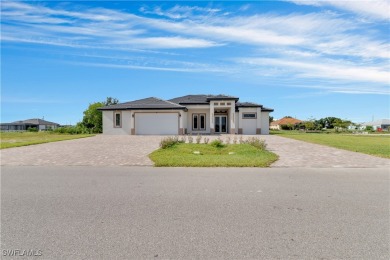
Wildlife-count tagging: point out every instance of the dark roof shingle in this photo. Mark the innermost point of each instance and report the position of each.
(200, 99)
(34, 121)
(146, 103)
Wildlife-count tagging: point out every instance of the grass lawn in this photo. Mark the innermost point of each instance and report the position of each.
(182, 155)
(15, 139)
(378, 145)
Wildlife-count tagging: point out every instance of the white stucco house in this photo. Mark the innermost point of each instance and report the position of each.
(191, 114)
(383, 124)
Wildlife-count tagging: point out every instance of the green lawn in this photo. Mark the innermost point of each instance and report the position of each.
(15, 139)
(182, 155)
(377, 145)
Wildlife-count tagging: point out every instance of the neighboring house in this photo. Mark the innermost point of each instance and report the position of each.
(192, 114)
(276, 125)
(23, 125)
(384, 124)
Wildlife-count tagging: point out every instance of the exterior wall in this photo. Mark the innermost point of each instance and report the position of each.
(264, 123)
(216, 105)
(236, 122)
(108, 123)
(247, 126)
(200, 110)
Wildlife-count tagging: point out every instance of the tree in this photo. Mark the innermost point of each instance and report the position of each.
(271, 119)
(111, 101)
(93, 118)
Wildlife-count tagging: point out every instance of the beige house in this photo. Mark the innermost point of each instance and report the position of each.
(276, 125)
(191, 114)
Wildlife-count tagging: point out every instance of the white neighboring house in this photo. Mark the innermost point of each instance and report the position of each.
(384, 124)
(191, 114)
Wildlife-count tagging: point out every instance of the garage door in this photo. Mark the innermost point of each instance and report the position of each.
(156, 124)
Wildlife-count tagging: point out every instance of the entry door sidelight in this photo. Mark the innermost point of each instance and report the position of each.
(220, 124)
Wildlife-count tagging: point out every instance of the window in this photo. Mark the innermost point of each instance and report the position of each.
(228, 103)
(117, 119)
(249, 115)
(216, 104)
(222, 104)
(198, 121)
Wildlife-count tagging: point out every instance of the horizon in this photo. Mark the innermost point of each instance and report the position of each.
(305, 59)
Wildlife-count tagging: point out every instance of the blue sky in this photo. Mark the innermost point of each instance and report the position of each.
(307, 59)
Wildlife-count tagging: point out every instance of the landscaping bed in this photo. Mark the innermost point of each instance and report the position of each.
(249, 153)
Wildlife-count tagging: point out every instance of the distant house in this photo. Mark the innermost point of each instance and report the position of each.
(383, 124)
(23, 125)
(277, 125)
(191, 114)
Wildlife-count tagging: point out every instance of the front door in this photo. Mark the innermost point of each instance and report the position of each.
(220, 124)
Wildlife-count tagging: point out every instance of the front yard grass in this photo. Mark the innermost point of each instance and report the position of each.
(15, 139)
(241, 155)
(377, 145)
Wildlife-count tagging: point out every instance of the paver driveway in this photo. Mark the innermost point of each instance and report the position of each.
(133, 150)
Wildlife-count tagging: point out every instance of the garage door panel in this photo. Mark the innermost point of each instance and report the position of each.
(156, 124)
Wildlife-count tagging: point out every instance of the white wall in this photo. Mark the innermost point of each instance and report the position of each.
(248, 125)
(108, 123)
(264, 123)
(189, 120)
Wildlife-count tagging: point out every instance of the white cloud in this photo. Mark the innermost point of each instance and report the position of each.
(327, 70)
(377, 9)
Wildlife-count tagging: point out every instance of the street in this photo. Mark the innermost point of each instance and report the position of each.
(79, 212)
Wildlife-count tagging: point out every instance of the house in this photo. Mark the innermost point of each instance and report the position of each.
(277, 125)
(24, 125)
(383, 124)
(191, 114)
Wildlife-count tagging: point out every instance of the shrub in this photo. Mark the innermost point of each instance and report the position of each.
(32, 129)
(198, 139)
(217, 143)
(256, 142)
(190, 139)
(183, 139)
(167, 142)
(206, 140)
(227, 140)
(241, 140)
(235, 140)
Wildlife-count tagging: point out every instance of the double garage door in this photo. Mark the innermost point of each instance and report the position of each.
(156, 123)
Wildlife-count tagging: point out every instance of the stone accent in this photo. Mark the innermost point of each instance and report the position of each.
(232, 131)
(212, 131)
(258, 131)
(240, 131)
(181, 131)
(132, 131)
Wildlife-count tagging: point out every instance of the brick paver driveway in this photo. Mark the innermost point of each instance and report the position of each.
(133, 150)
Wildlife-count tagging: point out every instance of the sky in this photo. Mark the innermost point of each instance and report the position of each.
(307, 59)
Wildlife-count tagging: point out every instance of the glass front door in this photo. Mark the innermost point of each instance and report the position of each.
(220, 124)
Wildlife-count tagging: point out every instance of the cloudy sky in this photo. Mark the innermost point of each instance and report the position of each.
(307, 59)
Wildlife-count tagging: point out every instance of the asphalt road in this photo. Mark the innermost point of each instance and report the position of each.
(142, 212)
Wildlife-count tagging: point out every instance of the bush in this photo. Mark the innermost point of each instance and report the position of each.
(32, 129)
(198, 139)
(217, 143)
(72, 130)
(256, 142)
(206, 140)
(227, 141)
(190, 139)
(167, 142)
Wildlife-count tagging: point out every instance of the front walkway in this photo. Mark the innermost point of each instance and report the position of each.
(115, 150)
